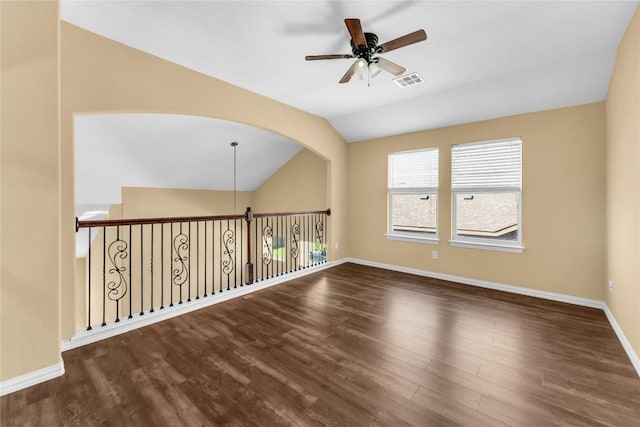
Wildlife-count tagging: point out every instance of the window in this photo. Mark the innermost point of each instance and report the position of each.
(486, 181)
(413, 195)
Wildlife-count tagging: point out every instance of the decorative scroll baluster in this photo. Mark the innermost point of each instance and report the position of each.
(295, 238)
(130, 281)
(267, 246)
(228, 263)
(117, 287)
(319, 244)
(181, 256)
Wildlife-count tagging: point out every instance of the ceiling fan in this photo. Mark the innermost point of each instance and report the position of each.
(365, 47)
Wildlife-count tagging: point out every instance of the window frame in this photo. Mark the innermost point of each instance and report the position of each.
(412, 236)
(515, 246)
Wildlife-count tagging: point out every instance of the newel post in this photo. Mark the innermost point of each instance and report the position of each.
(249, 266)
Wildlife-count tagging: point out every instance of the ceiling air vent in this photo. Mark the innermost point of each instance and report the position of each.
(409, 80)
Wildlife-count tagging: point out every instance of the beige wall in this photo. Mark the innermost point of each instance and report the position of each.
(30, 188)
(101, 76)
(623, 185)
(563, 203)
(300, 185)
(140, 202)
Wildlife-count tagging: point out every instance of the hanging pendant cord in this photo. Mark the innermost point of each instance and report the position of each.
(234, 144)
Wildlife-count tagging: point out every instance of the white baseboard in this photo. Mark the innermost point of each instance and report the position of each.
(635, 360)
(586, 302)
(98, 333)
(32, 378)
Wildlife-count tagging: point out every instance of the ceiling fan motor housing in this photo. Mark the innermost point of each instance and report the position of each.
(366, 52)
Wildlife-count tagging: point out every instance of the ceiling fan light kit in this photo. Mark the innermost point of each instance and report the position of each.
(365, 47)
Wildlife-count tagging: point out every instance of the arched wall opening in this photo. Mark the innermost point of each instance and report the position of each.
(100, 76)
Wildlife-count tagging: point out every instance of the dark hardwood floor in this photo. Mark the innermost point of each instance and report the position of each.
(350, 346)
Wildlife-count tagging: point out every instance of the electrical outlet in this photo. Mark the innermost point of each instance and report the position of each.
(337, 246)
(610, 285)
(434, 255)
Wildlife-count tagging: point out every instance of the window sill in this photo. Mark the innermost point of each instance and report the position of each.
(427, 240)
(487, 246)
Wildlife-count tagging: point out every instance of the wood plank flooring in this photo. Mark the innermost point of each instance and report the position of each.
(349, 346)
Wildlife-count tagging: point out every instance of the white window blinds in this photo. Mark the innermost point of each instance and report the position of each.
(489, 166)
(414, 170)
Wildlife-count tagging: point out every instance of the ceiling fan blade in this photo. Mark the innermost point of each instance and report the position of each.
(355, 30)
(317, 57)
(406, 40)
(350, 72)
(391, 67)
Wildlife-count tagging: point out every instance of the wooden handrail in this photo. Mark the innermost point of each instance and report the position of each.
(262, 215)
(139, 221)
(166, 220)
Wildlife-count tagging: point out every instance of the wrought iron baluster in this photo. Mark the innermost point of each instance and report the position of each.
(249, 265)
(235, 249)
(171, 265)
(309, 239)
(260, 248)
(221, 251)
(89, 282)
(205, 259)
(276, 245)
(117, 288)
(228, 266)
(141, 271)
(282, 248)
(198, 259)
(318, 246)
(181, 274)
(267, 249)
(151, 265)
(161, 266)
(213, 258)
(305, 239)
(325, 245)
(295, 238)
(242, 255)
(130, 277)
(104, 275)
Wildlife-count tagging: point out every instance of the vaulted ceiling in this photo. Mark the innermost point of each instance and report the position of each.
(481, 59)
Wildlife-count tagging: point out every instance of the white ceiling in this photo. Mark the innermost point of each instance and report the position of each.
(170, 151)
(481, 60)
